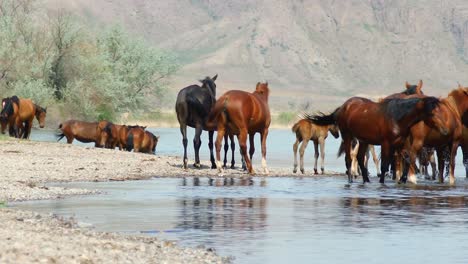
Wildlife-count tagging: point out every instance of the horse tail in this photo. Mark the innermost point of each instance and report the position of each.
(218, 108)
(323, 119)
(295, 127)
(341, 149)
(130, 142)
(61, 135)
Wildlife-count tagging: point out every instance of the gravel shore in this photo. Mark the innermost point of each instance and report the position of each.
(29, 237)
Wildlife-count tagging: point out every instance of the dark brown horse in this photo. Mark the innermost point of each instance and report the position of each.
(140, 140)
(193, 106)
(18, 114)
(385, 123)
(451, 109)
(305, 130)
(82, 131)
(241, 113)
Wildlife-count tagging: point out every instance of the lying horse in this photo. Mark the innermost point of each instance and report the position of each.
(305, 131)
(85, 132)
(241, 113)
(18, 114)
(385, 123)
(141, 141)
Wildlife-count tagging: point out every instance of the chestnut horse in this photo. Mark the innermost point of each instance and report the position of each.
(305, 131)
(85, 132)
(18, 114)
(241, 113)
(123, 135)
(108, 134)
(451, 109)
(193, 106)
(141, 141)
(384, 123)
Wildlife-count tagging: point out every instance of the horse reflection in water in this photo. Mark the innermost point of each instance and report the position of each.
(205, 213)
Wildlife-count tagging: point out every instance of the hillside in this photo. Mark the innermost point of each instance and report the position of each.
(308, 50)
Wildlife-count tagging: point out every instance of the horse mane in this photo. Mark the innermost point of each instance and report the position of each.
(399, 108)
(411, 90)
(41, 109)
(210, 85)
(108, 128)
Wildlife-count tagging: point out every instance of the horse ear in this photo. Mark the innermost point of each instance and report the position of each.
(256, 86)
(215, 77)
(459, 85)
(419, 87)
(407, 85)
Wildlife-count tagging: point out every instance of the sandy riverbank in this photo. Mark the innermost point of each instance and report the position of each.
(26, 167)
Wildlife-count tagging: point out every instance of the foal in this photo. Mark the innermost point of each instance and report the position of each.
(305, 130)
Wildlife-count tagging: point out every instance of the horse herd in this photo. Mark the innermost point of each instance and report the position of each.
(404, 124)
(18, 113)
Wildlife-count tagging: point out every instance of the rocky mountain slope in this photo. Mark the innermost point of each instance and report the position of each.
(320, 51)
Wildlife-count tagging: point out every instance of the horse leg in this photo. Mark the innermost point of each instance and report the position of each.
(263, 137)
(304, 144)
(296, 144)
(433, 164)
(386, 151)
(27, 129)
(226, 149)
(465, 159)
(316, 155)
(374, 157)
(197, 144)
(322, 154)
(354, 163)
(251, 145)
(360, 158)
(242, 138)
(441, 163)
(453, 154)
(219, 139)
(183, 131)
(347, 147)
(210, 146)
(233, 149)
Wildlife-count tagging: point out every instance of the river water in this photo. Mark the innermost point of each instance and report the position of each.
(282, 220)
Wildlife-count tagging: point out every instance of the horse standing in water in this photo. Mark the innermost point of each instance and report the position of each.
(18, 114)
(386, 123)
(305, 130)
(241, 113)
(193, 106)
(451, 110)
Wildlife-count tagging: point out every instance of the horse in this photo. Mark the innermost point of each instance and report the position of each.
(82, 131)
(383, 123)
(108, 134)
(123, 135)
(141, 141)
(451, 109)
(242, 113)
(305, 131)
(15, 112)
(193, 106)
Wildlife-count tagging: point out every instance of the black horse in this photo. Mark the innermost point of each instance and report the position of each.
(193, 105)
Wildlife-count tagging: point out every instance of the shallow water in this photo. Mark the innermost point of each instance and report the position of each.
(281, 220)
(284, 220)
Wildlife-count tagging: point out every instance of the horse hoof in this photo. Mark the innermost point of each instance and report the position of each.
(323, 170)
(213, 167)
(197, 165)
(315, 171)
(295, 170)
(302, 171)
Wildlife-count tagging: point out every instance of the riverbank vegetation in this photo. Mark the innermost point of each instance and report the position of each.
(92, 74)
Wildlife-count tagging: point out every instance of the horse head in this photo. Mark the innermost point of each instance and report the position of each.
(210, 84)
(334, 130)
(262, 89)
(460, 97)
(41, 115)
(155, 143)
(414, 89)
